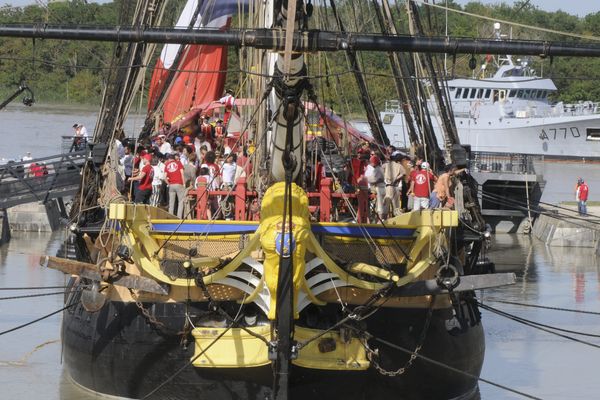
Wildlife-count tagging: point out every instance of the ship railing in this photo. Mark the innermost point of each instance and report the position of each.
(583, 108)
(236, 203)
(509, 163)
(40, 179)
(71, 143)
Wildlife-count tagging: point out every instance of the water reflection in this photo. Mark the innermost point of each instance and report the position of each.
(530, 360)
(516, 355)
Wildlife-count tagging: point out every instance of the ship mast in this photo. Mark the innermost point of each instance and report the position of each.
(377, 129)
(289, 83)
(397, 63)
(123, 84)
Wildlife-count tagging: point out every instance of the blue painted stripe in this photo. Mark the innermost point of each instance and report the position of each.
(210, 229)
(233, 228)
(359, 231)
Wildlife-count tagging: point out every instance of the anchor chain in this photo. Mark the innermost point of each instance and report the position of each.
(372, 355)
(146, 313)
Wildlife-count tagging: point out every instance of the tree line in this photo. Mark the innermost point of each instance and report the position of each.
(74, 72)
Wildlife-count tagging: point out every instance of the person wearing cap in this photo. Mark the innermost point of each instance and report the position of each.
(207, 130)
(228, 100)
(375, 178)
(420, 186)
(163, 146)
(581, 195)
(174, 176)
(79, 138)
(145, 176)
(220, 131)
(393, 173)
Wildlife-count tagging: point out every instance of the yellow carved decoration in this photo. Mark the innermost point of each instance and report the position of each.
(270, 233)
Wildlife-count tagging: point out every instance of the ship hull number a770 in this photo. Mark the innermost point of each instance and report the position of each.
(559, 133)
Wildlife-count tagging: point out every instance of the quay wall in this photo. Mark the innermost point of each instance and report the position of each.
(559, 230)
(4, 227)
(34, 217)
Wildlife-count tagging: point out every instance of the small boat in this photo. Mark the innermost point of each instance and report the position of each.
(507, 103)
(301, 291)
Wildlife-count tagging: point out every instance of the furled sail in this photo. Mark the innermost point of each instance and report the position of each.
(187, 76)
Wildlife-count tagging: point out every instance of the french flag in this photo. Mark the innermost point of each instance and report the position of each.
(201, 75)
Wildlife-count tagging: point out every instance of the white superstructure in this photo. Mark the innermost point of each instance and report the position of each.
(511, 113)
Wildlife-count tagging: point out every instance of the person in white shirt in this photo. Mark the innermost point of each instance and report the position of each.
(228, 100)
(27, 157)
(120, 149)
(83, 131)
(80, 138)
(375, 177)
(159, 175)
(229, 170)
(163, 146)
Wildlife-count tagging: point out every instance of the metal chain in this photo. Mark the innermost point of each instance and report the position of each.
(146, 313)
(372, 355)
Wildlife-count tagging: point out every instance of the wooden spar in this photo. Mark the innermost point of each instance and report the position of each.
(307, 41)
(90, 271)
(467, 283)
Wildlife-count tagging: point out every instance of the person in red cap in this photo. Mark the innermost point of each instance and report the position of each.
(145, 176)
(374, 175)
(420, 186)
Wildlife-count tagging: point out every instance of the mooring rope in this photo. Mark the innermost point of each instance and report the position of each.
(543, 327)
(38, 319)
(543, 307)
(446, 366)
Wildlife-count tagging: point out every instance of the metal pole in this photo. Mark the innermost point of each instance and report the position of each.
(305, 41)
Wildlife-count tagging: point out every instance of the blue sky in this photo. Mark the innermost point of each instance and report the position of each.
(577, 7)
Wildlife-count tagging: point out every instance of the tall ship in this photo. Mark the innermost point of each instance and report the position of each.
(506, 109)
(284, 283)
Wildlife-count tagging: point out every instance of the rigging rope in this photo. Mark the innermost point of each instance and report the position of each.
(25, 296)
(38, 319)
(543, 307)
(369, 336)
(34, 287)
(532, 27)
(542, 327)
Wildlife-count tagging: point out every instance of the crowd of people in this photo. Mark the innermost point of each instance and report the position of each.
(164, 170)
(400, 183)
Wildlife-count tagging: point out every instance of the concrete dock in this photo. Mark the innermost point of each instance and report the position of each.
(565, 228)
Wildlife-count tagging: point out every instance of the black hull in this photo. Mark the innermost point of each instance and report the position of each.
(117, 351)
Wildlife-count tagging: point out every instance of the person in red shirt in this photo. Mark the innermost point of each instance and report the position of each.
(582, 196)
(176, 181)
(144, 176)
(420, 186)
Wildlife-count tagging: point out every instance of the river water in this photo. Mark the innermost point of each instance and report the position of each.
(517, 356)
